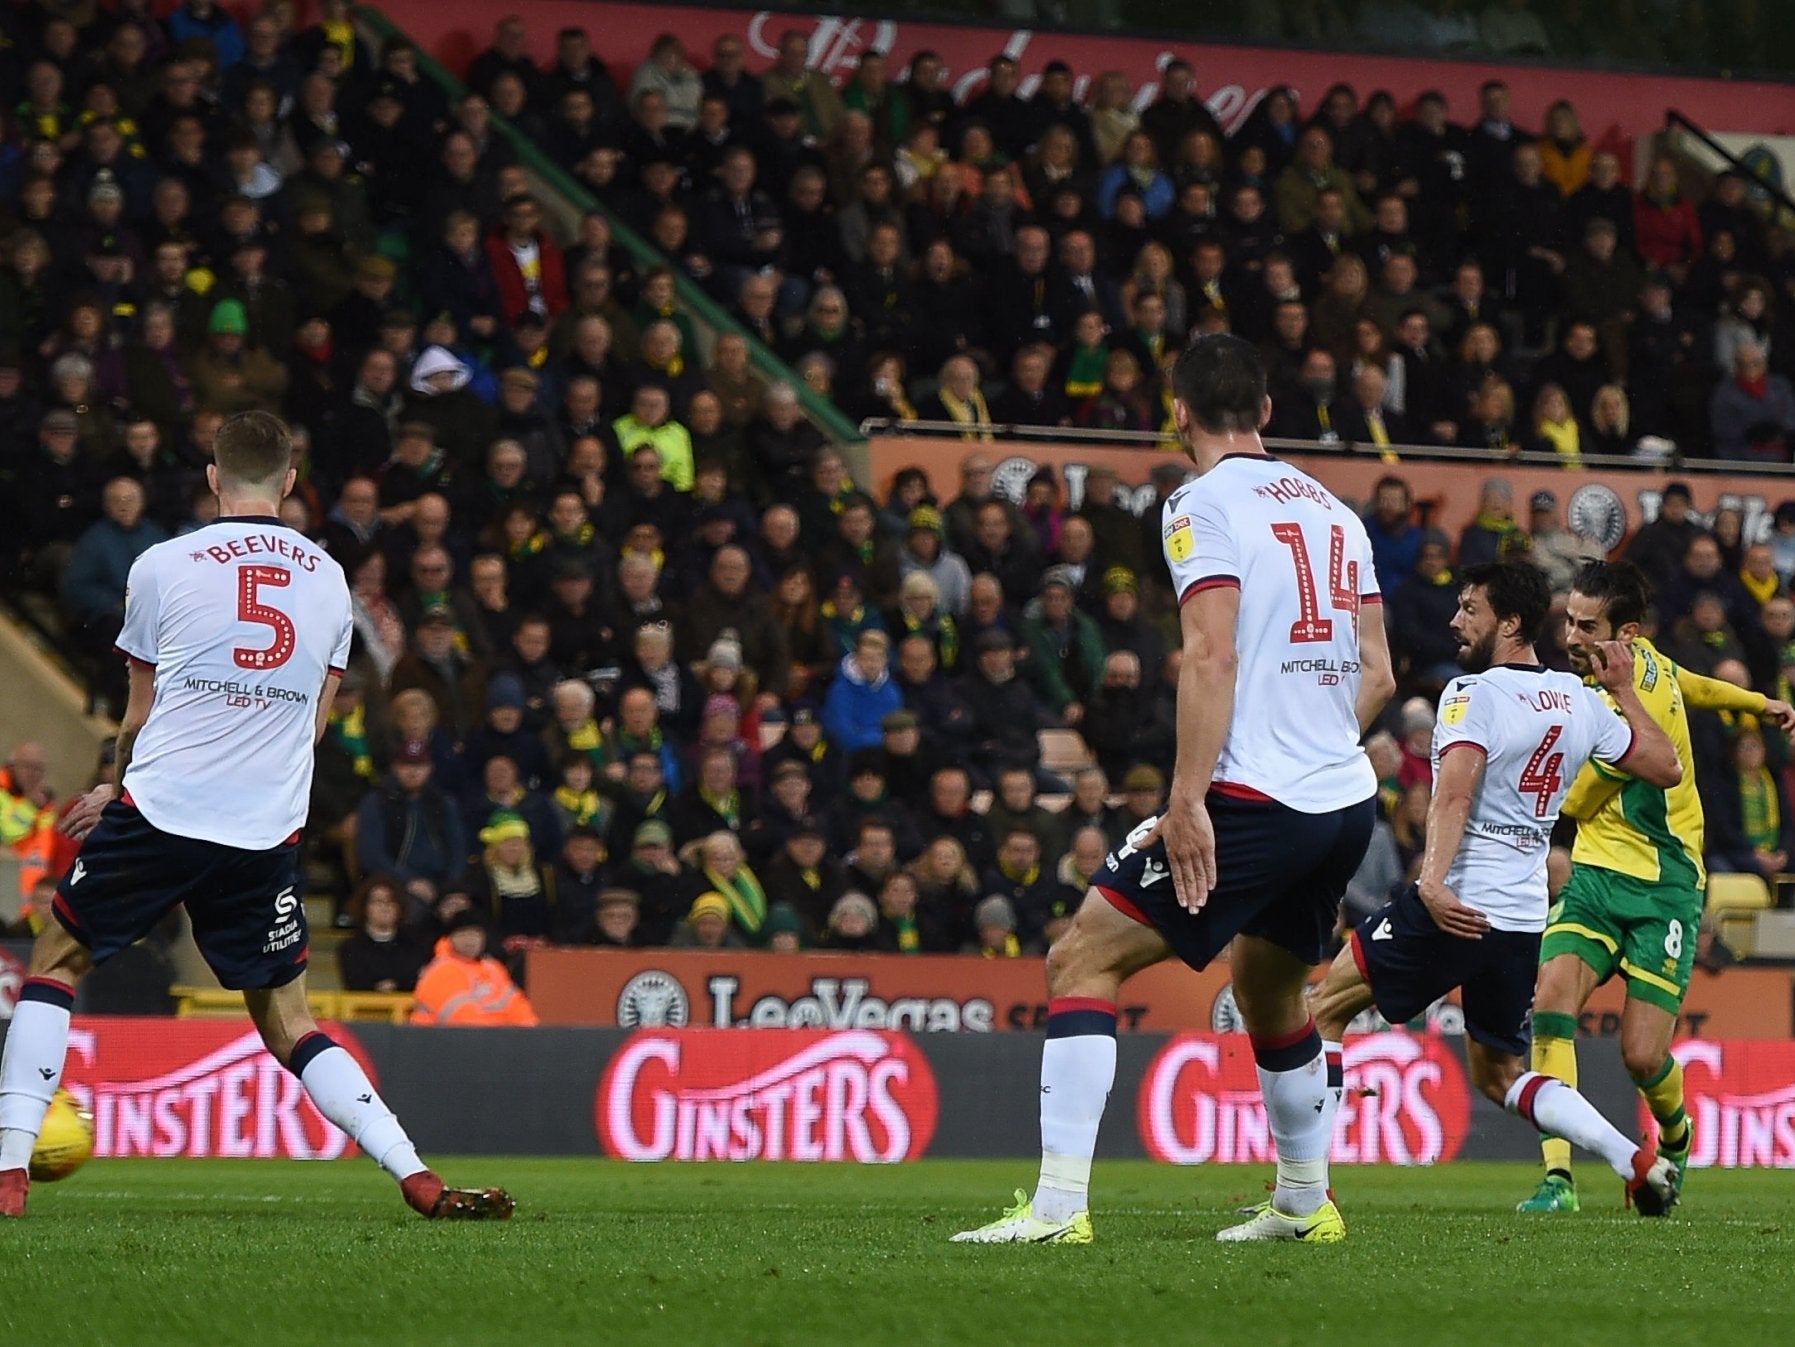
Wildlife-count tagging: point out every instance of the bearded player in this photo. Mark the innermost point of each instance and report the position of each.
(1270, 813)
(236, 637)
(1633, 905)
(1509, 736)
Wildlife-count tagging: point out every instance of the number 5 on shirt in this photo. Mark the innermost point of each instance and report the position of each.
(250, 608)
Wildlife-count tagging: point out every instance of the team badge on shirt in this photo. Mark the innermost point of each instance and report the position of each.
(1179, 540)
(1452, 709)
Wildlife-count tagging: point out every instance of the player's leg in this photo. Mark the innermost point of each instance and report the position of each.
(343, 1093)
(1566, 982)
(1554, 1108)
(37, 1042)
(1345, 994)
(1301, 1100)
(1579, 951)
(123, 884)
(1658, 961)
(1342, 997)
(1646, 1031)
(250, 926)
(1085, 970)
(1306, 862)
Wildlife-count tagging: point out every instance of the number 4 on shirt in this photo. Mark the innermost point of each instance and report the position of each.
(1343, 584)
(1544, 773)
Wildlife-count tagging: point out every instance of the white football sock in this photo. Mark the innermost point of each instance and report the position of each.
(1334, 1057)
(1555, 1108)
(37, 1040)
(1293, 1080)
(343, 1093)
(1078, 1066)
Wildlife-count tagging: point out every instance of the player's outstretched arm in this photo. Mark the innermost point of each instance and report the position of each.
(1455, 787)
(1377, 676)
(1653, 758)
(1716, 694)
(1702, 693)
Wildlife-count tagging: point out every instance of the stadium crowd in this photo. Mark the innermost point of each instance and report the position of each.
(636, 662)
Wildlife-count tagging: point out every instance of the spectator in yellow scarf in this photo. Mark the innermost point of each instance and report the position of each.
(959, 399)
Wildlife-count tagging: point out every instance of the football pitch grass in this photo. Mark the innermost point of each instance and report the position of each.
(267, 1253)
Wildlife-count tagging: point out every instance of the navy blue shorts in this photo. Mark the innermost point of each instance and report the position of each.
(1280, 875)
(247, 912)
(1409, 963)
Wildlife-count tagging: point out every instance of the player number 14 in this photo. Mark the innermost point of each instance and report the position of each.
(1343, 584)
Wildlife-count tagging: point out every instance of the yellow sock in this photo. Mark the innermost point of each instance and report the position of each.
(1663, 1093)
(1555, 1055)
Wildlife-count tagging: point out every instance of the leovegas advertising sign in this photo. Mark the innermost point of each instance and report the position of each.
(1741, 1100)
(1407, 1102)
(1606, 505)
(1232, 79)
(748, 989)
(699, 1094)
(196, 1089)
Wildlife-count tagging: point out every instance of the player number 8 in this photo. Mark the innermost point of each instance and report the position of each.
(1673, 940)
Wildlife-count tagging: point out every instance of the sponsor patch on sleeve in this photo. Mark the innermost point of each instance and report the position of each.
(1180, 542)
(1453, 708)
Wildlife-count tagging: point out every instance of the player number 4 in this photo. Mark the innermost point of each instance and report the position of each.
(250, 608)
(1343, 584)
(1544, 773)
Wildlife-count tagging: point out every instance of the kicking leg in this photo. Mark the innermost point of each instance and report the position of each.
(1565, 984)
(342, 1092)
(36, 1043)
(1085, 969)
(1556, 1108)
(1300, 1089)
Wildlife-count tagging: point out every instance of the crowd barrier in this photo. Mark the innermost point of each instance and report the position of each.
(201, 1088)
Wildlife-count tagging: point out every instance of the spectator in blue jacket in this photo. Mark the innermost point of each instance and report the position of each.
(862, 695)
(409, 827)
(204, 18)
(1138, 168)
(1395, 538)
(93, 586)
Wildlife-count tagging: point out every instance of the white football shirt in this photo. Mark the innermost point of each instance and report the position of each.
(1302, 563)
(1536, 728)
(242, 620)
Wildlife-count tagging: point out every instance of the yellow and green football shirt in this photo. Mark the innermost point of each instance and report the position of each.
(1641, 830)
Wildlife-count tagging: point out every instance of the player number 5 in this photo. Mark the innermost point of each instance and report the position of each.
(250, 608)
(1343, 584)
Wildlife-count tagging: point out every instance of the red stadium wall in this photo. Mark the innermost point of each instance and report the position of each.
(1615, 108)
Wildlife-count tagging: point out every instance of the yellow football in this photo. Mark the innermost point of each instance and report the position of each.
(66, 1143)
